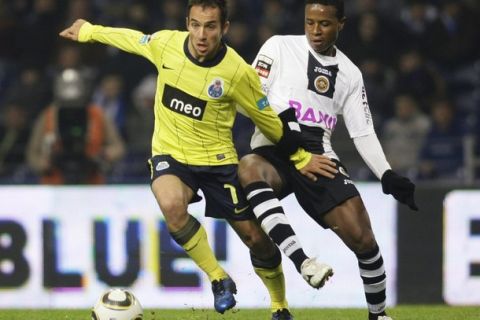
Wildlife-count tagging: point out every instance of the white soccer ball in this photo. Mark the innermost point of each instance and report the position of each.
(117, 304)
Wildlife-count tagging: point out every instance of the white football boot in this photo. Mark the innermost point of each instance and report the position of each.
(316, 273)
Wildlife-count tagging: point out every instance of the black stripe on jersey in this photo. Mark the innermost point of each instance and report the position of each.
(312, 139)
(321, 79)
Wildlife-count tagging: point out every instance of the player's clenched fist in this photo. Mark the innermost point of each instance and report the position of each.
(72, 31)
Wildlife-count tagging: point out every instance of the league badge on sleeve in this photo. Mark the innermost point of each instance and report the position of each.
(145, 39)
(215, 89)
(263, 103)
(263, 66)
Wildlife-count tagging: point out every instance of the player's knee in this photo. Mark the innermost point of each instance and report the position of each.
(247, 171)
(254, 168)
(174, 212)
(363, 242)
(257, 242)
(268, 260)
(249, 240)
(262, 246)
(171, 206)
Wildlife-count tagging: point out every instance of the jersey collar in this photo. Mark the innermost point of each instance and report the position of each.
(207, 63)
(327, 59)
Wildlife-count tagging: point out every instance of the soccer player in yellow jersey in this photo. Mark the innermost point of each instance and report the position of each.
(200, 82)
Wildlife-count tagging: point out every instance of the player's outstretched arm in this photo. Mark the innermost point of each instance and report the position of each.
(72, 32)
(401, 188)
(128, 40)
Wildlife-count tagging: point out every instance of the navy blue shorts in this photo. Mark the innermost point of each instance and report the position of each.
(315, 197)
(224, 197)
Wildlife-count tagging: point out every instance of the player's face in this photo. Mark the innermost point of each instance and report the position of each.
(206, 30)
(322, 27)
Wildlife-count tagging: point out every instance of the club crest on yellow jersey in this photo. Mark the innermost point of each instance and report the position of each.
(215, 89)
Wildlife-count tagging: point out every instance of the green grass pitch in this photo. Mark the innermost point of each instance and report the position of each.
(397, 313)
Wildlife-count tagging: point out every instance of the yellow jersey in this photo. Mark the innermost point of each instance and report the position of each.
(195, 102)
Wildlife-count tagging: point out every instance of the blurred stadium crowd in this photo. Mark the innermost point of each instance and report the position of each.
(420, 60)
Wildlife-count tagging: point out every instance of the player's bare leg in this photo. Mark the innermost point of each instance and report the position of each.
(350, 221)
(173, 197)
(261, 183)
(266, 260)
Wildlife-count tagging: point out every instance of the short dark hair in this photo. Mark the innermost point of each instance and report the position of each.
(221, 4)
(338, 4)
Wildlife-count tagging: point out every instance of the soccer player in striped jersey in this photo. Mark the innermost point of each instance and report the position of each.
(200, 82)
(309, 82)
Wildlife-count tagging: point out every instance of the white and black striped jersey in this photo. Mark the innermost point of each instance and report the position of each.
(318, 87)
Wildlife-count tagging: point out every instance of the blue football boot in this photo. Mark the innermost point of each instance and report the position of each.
(282, 314)
(223, 291)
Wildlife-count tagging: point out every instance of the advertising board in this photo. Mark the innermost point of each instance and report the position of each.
(61, 247)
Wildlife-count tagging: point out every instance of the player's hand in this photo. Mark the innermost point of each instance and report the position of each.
(401, 188)
(319, 165)
(72, 31)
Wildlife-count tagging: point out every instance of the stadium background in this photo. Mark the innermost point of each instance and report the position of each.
(425, 50)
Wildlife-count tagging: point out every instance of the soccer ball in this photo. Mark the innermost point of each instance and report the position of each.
(117, 304)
